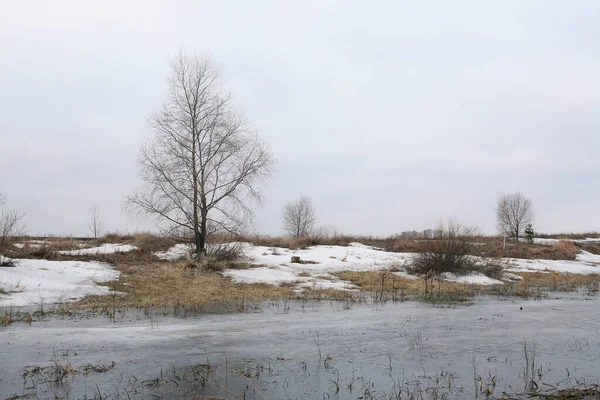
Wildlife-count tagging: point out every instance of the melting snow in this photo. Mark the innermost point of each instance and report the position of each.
(586, 263)
(107, 248)
(34, 282)
(176, 252)
(317, 263)
(474, 278)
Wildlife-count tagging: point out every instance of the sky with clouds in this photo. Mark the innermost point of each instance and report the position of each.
(390, 115)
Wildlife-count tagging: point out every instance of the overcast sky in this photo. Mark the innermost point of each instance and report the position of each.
(389, 114)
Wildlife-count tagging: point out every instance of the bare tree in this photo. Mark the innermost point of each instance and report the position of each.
(299, 217)
(202, 168)
(11, 223)
(95, 225)
(513, 212)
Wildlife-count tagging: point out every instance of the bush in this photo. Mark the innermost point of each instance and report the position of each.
(448, 251)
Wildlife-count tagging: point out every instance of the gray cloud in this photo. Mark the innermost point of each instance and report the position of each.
(390, 115)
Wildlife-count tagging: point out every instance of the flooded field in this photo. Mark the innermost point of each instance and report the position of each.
(311, 350)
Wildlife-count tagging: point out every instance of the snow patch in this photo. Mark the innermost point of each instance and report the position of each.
(586, 263)
(34, 282)
(174, 253)
(108, 248)
(474, 278)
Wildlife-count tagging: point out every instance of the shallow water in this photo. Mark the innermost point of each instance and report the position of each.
(313, 350)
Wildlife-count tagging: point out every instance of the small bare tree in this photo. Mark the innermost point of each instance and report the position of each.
(299, 217)
(203, 167)
(11, 223)
(513, 213)
(95, 224)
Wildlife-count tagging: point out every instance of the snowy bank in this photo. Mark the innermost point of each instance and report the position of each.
(108, 248)
(315, 266)
(35, 282)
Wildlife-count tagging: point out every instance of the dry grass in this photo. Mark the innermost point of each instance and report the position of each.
(175, 285)
(386, 282)
(559, 282)
(571, 236)
(593, 248)
(563, 250)
(330, 294)
(5, 319)
(277, 241)
(534, 284)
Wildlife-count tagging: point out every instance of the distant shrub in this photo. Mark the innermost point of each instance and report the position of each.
(449, 251)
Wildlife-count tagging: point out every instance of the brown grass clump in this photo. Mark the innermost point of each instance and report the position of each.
(563, 250)
(150, 242)
(593, 248)
(175, 285)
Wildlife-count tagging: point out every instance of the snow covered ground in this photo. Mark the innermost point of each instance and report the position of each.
(586, 263)
(550, 242)
(34, 282)
(107, 248)
(276, 266)
(317, 263)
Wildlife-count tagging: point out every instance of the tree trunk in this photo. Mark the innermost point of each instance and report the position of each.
(201, 243)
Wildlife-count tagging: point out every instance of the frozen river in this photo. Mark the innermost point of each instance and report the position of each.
(311, 350)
